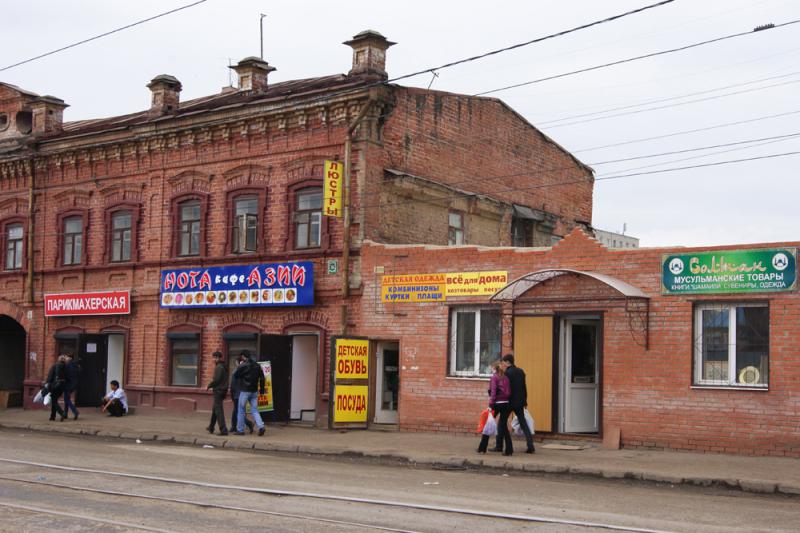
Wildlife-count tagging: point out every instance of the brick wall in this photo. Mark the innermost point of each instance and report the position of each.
(647, 392)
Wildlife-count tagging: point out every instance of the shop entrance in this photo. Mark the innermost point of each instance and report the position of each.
(387, 382)
(12, 361)
(277, 349)
(580, 375)
(101, 359)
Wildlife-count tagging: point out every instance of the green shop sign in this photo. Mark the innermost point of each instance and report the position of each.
(733, 271)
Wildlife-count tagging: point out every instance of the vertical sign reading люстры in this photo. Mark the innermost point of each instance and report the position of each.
(333, 174)
(729, 271)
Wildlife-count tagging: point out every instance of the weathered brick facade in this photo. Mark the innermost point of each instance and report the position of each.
(269, 142)
(646, 373)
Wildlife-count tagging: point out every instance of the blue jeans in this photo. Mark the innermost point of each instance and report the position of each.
(244, 399)
(68, 405)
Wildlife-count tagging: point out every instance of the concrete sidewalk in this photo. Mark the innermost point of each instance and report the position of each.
(753, 474)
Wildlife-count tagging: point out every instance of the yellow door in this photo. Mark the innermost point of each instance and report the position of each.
(533, 353)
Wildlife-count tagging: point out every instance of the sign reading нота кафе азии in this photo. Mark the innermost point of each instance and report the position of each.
(729, 271)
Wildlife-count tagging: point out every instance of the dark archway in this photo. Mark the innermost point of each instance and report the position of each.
(12, 361)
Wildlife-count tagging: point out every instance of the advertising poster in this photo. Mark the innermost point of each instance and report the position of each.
(333, 176)
(729, 271)
(265, 400)
(352, 356)
(350, 403)
(265, 285)
(413, 288)
(88, 303)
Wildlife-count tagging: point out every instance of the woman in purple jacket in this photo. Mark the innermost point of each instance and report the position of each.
(499, 393)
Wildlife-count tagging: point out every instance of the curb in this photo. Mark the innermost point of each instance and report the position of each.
(757, 486)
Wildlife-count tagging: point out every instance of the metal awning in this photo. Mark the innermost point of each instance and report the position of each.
(521, 285)
(523, 211)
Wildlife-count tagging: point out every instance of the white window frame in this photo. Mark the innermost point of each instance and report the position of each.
(453, 340)
(732, 381)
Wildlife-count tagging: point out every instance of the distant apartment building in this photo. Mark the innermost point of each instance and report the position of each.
(611, 239)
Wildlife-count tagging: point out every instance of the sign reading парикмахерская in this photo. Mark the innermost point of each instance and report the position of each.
(729, 271)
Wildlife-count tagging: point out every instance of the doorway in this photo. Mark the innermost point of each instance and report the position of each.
(305, 352)
(277, 349)
(12, 361)
(387, 382)
(580, 375)
(93, 362)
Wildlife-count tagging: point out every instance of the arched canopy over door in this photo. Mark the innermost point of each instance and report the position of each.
(523, 284)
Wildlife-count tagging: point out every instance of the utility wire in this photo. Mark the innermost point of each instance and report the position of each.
(104, 34)
(635, 58)
(666, 99)
(684, 132)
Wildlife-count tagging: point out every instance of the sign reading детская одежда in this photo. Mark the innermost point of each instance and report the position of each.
(440, 286)
(729, 271)
(88, 303)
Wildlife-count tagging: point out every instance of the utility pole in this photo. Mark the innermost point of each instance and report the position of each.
(261, 24)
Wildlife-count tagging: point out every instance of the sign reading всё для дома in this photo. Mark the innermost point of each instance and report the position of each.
(729, 271)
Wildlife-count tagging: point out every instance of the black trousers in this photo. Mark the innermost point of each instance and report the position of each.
(519, 412)
(54, 407)
(503, 434)
(115, 408)
(217, 413)
(235, 415)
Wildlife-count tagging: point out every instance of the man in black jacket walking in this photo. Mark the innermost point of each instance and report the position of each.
(219, 384)
(236, 388)
(56, 379)
(518, 400)
(253, 383)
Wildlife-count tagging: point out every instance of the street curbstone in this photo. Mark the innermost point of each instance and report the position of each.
(658, 477)
(111, 434)
(761, 487)
(614, 474)
(788, 489)
(555, 469)
(164, 438)
(184, 439)
(586, 471)
(238, 444)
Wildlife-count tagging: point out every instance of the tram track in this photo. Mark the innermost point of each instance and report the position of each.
(520, 518)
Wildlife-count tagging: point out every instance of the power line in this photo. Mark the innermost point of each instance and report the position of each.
(635, 58)
(667, 99)
(103, 34)
(684, 132)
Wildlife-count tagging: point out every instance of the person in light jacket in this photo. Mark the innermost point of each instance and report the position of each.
(219, 384)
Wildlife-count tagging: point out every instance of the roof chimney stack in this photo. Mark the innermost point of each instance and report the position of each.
(369, 53)
(166, 92)
(47, 115)
(252, 73)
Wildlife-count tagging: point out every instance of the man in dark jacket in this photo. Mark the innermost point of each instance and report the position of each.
(56, 378)
(219, 384)
(71, 370)
(236, 388)
(253, 383)
(518, 400)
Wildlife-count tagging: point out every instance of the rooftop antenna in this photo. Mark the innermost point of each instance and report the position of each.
(624, 227)
(261, 23)
(230, 73)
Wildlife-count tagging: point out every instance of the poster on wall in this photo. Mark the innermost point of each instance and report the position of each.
(265, 400)
(349, 382)
(350, 403)
(729, 271)
(264, 285)
(88, 303)
(352, 356)
(438, 287)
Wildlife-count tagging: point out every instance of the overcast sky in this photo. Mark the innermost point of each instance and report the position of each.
(755, 201)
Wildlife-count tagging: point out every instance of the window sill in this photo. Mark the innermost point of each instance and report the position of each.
(730, 387)
(469, 378)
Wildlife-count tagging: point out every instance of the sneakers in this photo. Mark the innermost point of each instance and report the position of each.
(210, 429)
(260, 432)
(238, 433)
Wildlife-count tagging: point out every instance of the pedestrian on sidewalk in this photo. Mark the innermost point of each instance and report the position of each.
(219, 386)
(116, 401)
(518, 400)
(72, 371)
(56, 379)
(236, 389)
(253, 383)
(499, 393)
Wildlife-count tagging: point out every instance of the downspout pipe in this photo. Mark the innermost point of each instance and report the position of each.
(30, 254)
(348, 148)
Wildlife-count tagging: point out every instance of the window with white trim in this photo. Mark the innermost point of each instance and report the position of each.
(731, 347)
(455, 229)
(474, 340)
(185, 357)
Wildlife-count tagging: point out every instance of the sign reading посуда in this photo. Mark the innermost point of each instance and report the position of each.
(729, 271)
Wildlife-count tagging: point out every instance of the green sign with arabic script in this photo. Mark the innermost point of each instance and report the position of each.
(729, 271)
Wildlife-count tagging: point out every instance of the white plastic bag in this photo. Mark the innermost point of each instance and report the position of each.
(38, 398)
(528, 419)
(47, 399)
(490, 428)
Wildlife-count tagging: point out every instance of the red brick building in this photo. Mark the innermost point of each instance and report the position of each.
(689, 349)
(234, 180)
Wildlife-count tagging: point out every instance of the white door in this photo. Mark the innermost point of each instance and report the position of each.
(304, 378)
(116, 358)
(387, 382)
(580, 376)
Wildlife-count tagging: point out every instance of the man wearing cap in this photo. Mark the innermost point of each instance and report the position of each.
(219, 385)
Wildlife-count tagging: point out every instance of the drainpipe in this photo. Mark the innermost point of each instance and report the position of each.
(346, 211)
(31, 188)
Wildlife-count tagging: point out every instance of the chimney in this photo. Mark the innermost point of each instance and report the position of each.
(166, 91)
(369, 53)
(47, 115)
(252, 73)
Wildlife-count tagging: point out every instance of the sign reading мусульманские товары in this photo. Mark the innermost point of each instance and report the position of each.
(729, 271)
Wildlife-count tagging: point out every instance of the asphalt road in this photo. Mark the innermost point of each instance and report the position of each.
(204, 489)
